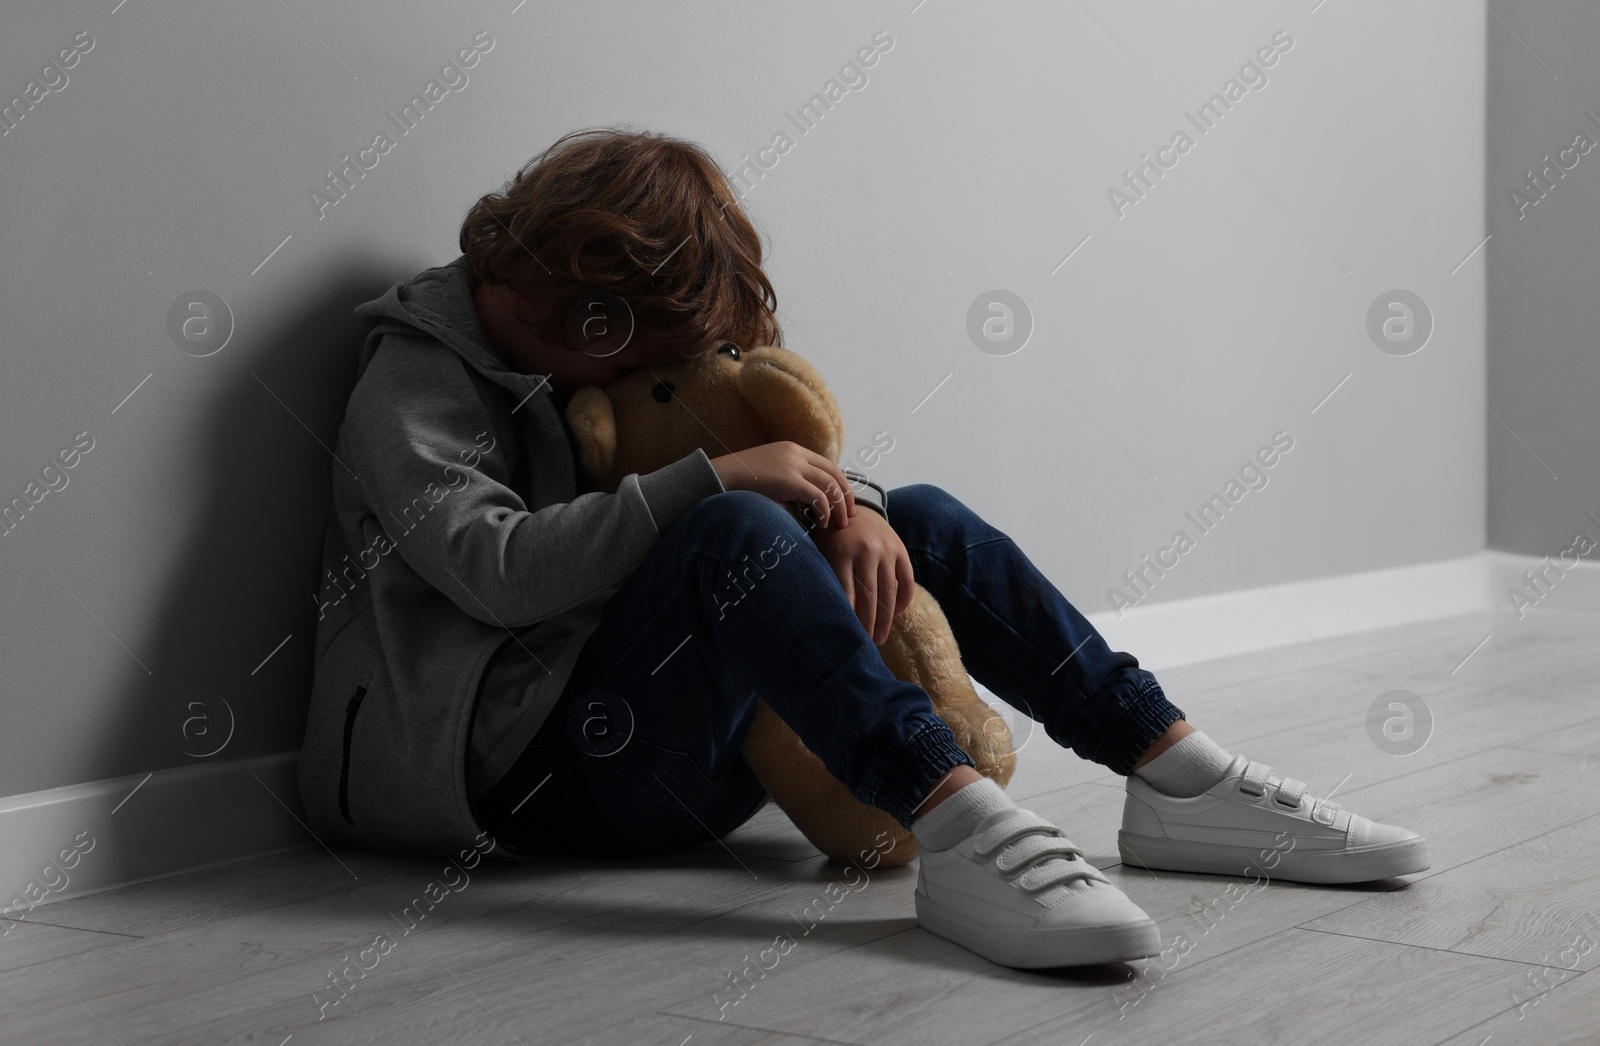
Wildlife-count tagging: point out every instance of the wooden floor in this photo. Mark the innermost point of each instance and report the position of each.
(1493, 945)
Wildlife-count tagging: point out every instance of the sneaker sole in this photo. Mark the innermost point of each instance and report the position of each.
(1310, 866)
(1036, 949)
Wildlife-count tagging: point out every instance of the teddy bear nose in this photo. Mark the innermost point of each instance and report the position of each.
(662, 392)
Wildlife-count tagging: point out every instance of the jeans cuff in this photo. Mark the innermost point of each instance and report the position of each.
(1145, 718)
(903, 784)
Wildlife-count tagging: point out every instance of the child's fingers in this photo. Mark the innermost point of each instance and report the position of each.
(902, 566)
(874, 606)
(848, 492)
(889, 594)
(866, 598)
(830, 508)
(837, 484)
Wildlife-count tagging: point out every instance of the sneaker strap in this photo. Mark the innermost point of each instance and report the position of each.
(1033, 852)
(1325, 811)
(1022, 822)
(1290, 791)
(1254, 780)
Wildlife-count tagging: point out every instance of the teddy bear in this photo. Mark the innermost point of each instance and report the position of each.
(729, 399)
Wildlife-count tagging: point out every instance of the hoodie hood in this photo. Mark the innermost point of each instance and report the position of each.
(438, 302)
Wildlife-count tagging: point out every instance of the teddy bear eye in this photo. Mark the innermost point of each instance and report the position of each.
(662, 392)
(728, 349)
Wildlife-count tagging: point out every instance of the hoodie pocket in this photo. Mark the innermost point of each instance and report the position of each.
(350, 711)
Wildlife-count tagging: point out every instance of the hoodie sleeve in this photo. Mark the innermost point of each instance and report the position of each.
(423, 450)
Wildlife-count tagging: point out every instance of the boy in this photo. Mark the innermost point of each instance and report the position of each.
(498, 655)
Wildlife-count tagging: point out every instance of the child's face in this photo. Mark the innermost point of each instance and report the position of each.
(513, 324)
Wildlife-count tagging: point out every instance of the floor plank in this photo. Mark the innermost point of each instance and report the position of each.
(180, 901)
(1528, 903)
(1294, 987)
(29, 943)
(1557, 1011)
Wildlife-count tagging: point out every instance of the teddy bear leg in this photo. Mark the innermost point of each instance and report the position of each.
(841, 826)
(922, 649)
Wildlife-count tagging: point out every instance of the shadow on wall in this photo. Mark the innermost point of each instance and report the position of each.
(251, 559)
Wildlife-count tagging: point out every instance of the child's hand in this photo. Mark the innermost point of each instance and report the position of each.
(873, 566)
(786, 471)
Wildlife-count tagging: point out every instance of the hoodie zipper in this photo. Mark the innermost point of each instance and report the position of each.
(344, 767)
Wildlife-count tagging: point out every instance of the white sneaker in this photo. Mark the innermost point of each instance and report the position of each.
(1253, 819)
(1019, 893)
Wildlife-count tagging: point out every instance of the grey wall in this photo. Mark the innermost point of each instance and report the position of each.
(1544, 368)
(1218, 310)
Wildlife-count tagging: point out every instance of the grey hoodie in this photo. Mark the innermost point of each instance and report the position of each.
(440, 543)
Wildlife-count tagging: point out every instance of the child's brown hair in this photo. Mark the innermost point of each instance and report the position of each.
(647, 216)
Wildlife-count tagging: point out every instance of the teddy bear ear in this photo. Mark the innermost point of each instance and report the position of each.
(594, 422)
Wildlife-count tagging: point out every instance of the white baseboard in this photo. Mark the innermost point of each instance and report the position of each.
(1202, 628)
(209, 814)
(1185, 631)
(124, 832)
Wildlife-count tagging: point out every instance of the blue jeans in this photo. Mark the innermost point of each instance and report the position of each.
(736, 605)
